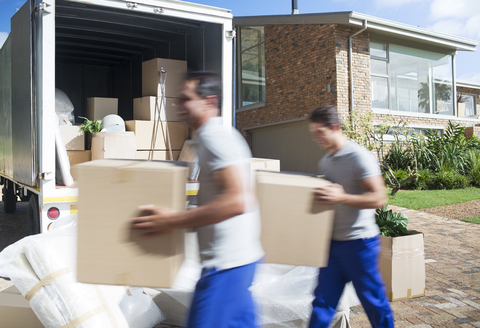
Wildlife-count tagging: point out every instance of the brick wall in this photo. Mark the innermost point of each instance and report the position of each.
(300, 62)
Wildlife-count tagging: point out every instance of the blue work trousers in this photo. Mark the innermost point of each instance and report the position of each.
(222, 299)
(356, 261)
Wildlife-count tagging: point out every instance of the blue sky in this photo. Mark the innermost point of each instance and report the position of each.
(456, 17)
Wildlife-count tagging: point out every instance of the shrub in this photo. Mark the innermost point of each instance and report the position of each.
(450, 180)
(391, 223)
(425, 180)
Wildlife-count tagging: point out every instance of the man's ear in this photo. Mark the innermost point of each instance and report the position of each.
(212, 100)
(336, 127)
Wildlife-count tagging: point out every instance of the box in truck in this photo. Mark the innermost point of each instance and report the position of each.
(86, 50)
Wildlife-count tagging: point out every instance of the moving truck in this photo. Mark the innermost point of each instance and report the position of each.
(89, 49)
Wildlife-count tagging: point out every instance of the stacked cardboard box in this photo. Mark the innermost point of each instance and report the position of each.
(115, 145)
(152, 106)
(109, 195)
(98, 108)
(296, 230)
(15, 312)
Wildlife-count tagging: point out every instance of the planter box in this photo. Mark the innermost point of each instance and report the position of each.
(402, 264)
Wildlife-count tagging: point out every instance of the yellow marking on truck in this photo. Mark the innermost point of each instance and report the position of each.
(192, 192)
(66, 199)
(73, 209)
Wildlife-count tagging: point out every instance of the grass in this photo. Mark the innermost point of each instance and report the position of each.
(417, 199)
(475, 219)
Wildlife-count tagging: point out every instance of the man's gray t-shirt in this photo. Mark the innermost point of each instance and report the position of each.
(347, 167)
(235, 241)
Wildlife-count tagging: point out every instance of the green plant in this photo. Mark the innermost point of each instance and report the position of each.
(391, 223)
(450, 180)
(90, 126)
(475, 219)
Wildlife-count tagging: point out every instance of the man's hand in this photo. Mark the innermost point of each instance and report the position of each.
(153, 221)
(331, 194)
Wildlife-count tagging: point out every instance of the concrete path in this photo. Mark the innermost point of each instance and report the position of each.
(452, 265)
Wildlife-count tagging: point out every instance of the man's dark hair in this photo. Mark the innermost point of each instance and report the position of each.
(209, 84)
(327, 115)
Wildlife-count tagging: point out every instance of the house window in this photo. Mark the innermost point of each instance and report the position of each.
(252, 66)
(411, 80)
(470, 104)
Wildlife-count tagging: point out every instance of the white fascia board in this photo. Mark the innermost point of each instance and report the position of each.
(321, 18)
(409, 31)
(171, 8)
(467, 84)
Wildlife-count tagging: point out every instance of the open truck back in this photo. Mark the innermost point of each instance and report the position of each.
(89, 49)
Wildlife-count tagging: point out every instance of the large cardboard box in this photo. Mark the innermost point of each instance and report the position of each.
(144, 132)
(79, 156)
(144, 109)
(109, 194)
(98, 108)
(115, 145)
(72, 138)
(158, 155)
(402, 264)
(296, 229)
(265, 164)
(15, 311)
(175, 69)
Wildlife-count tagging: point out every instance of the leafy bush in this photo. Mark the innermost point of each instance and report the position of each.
(425, 180)
(391, 223)
(90, 126)
(474, 167)
(450, 180)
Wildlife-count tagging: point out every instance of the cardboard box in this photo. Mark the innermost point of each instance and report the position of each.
(98, 108)
(115, 145)
(144, 131)
(72, 139)
(79, 156)
(15, 311)
(265, 164)
(158, 155)
(109, 194)
(144, 109)
(402, 264)
(296, 230)
(176, 70)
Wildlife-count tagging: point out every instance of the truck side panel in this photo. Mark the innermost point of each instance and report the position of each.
(6, 160)
(23, 127)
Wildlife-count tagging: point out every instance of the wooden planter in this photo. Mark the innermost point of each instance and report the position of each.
(402, 264)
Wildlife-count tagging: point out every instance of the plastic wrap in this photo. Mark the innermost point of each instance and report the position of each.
(283, 293)
(63, 108)
(63, 177)
(42, 268)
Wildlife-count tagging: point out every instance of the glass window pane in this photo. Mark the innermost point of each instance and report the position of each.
(378, 49)
(378, 67)
(421, 81)
(469, 105)
(253, 75)
(379, 92)
(251, 36)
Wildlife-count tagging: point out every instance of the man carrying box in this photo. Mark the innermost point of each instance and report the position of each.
(227, 219)
(358, 188)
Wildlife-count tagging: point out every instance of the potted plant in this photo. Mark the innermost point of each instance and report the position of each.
(402, 262)
(89, 128)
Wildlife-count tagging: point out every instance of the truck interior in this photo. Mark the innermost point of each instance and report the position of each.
(99, 50)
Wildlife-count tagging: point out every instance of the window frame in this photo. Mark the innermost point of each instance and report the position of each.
(239, 51)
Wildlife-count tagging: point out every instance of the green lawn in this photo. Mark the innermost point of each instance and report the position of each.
(416, 199)
(475, 219)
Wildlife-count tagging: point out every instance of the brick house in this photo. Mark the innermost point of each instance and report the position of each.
(290, 64)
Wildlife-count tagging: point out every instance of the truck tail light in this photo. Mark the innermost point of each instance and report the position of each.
(53, 213)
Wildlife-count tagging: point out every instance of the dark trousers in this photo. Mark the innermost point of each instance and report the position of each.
(356, 261)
